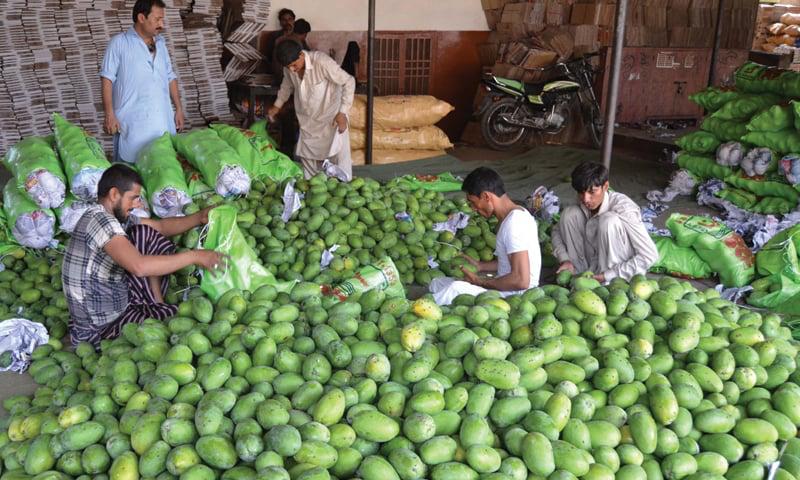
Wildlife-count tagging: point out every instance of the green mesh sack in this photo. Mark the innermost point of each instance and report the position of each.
(773, 206)
(745, 106)
(775, 256)
(712, 98)
(163, 177)
(216, 160)
(83, 158)
(263, 159)
(698, 142)
(718, 245)
(773, 119)
(703, 167)
(725, 130)
(741, 198)
(765, 188)
(260, 129)
(754, 78)
(785, 141)
(679, 261)
(37, 171)
(31, 226)
(778, 262)
(790, 84)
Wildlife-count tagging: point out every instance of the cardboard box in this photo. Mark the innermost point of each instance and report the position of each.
(558, 13)
(516, 12)
(516, 53)
(537, 58)
(512, 31)
(493, 17)
(655, 18)
(535, 21)
(494, 4)
(558, 40)
(593, 14)
(506, 70)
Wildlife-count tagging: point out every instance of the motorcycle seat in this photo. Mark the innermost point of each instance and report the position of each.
(533, 88)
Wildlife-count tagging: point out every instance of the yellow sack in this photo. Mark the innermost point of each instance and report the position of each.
(421, 138)
(399, 111)
(380, 157)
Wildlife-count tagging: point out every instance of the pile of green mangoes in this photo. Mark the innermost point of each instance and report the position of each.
(30, 288)
(642, 380)
(365, 219)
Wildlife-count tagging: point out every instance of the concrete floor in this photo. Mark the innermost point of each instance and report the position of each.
(633, 172)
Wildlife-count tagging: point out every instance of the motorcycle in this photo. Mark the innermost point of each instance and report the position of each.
(512, 108)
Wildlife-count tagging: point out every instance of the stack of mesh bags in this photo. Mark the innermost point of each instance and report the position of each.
(217, 161)
(258, 152)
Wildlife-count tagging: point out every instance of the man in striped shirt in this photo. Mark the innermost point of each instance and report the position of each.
(114, 275)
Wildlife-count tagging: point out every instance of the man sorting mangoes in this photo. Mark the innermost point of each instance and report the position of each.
(111, 276)
(604, 233)
(518, 259)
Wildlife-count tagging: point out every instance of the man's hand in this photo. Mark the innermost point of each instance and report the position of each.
(202, 215)
(471, 261)
(273, 112)
(179, 119)
(600, 278)
(471, 277)
(341, 122)
(210, 260)
(566, 266)
(111, 124)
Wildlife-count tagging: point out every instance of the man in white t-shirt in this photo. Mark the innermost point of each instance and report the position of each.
(518, 261)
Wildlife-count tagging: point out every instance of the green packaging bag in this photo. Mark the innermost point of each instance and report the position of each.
(712, 98)
(699, 142)
(259, 154)
(163, 177)
(83, 158)
(778, 262)
(31, 226)
(703, 167)
(725, 130)
(679, 261)
(718, 245)
(444, 182)
(216, 160)
(764, 188)
(35, 166)
(741, 198)
(243, 269)
(381, 274)
(744, 107)
(260, 129)
(785, 141)
(754, 78)
(773, 119)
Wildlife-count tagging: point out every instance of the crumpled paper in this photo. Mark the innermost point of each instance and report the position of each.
(45, 189)
(454, 223)
(772, 226)
(327, 256)
(789, 166)
(233, 181)
(432, 262)
(649, 213)
(35, 229)
(333, 170)
(543, 204)
(21, 337)
(403, 217)
(757, 161)
(682, 183)
(730, 154)
(291, 201)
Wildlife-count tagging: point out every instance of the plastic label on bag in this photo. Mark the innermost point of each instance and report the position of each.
(382, 275)
(291, 201)
(333, 170)
(20, 337)
(454, 223)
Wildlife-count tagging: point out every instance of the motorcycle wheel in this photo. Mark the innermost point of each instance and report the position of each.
(593, 121)
(498, 134)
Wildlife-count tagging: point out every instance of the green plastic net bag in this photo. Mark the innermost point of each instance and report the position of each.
(764, 188)
(741, 198)
(712, 99)
(773, 119)
(260, 154)
(260, 129)
(679, 261)
(83, 158)
(718, 245)
(778, 262)
(785, 141)
(216, 160)
(754, 78)
(163, 178)
(34, 164)
(703, 167)
(699, 142)
(725, 130)
(31, 226)
(381, 274)
(243, 269)
(444, 182)
(744, 107)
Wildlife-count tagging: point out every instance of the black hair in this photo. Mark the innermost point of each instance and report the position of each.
(287, 52)
(301, 26)
(483, 179)
(145, 7)
(286, 11)
(588, 175)
(120, 176)
(351, 58)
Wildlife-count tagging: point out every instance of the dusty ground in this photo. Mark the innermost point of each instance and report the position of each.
(631, 173)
